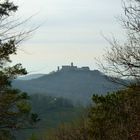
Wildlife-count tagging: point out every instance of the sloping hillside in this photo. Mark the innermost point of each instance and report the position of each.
(30, 76)
(75, 85)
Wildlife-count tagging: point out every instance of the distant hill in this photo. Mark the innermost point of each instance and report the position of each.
(76, 84)
(30, 76)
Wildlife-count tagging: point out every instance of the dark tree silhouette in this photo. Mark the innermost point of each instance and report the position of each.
(123, 60)
(15, 110)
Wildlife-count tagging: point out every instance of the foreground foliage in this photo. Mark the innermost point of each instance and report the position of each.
(76, 130)
(15, 110)
(116, 116)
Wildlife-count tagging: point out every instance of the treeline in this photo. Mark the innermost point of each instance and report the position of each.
(41, 103)
(52, 111)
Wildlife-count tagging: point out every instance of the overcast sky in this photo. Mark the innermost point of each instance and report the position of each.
(70, 31)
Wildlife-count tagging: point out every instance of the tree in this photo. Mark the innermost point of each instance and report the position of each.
(123, 60)
(15, 110)
(116, 116)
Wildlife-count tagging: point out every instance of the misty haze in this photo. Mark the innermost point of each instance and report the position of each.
(70, 70)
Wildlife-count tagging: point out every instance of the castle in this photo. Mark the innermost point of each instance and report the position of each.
(72, 68)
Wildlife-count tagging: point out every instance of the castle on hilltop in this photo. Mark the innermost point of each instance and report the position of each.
(72, 68)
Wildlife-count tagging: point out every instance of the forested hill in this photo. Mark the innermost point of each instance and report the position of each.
(77, 85)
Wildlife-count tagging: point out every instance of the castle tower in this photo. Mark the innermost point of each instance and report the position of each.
(58, 68)
(72, 64)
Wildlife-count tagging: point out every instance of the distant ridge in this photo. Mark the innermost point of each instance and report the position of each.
(69, 82)
(30, 76)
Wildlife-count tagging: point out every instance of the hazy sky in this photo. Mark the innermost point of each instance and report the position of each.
(70, 31)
